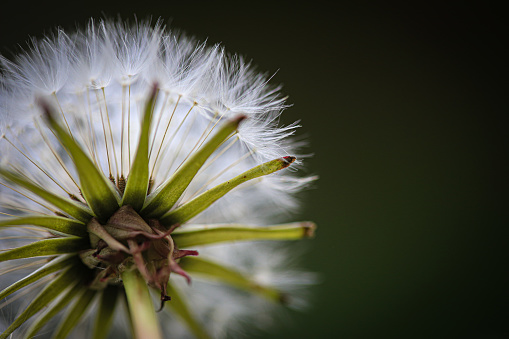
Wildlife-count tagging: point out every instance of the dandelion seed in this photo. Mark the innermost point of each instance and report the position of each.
(141, 160)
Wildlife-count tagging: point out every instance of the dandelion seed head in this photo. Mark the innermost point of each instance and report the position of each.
(74, 101)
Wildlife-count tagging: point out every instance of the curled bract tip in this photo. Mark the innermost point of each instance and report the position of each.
(288, 161)
(239, 119)
(309, 229)
(45, 107)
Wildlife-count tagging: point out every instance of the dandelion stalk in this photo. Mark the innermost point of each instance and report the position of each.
(141, 308)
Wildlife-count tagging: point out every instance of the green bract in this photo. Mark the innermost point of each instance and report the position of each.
(130, 156)
(122, 242)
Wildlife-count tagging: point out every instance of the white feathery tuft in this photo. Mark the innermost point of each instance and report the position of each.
(98, 79)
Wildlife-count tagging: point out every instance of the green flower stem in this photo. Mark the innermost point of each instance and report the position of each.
(141, 308)
(226, 233)
(204, 200)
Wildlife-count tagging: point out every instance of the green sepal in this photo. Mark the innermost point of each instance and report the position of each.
(204, 200)
(212, 234)
(49, 293)
(52, 266)
(106, 311)
(178, 305)
(53, 310)
(74, 209)
(214, 271)
(98, 191)
(141, 307)
(137, 181)
(55, 223)
(167, 194)
(46, 247)
(73, 316)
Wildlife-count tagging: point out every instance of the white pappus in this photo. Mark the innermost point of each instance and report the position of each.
(149, 112)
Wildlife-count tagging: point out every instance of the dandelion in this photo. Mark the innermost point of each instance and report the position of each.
(134, 160)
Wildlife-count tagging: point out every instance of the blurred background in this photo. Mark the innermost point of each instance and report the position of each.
(403, 105)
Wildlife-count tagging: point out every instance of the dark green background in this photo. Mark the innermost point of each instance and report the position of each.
(403, 106)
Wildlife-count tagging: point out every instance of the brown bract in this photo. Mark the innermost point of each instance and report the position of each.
(127, 241)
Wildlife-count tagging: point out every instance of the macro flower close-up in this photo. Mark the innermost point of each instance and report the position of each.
(146, 185)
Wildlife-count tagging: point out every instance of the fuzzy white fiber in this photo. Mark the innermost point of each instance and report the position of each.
(99, 80)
